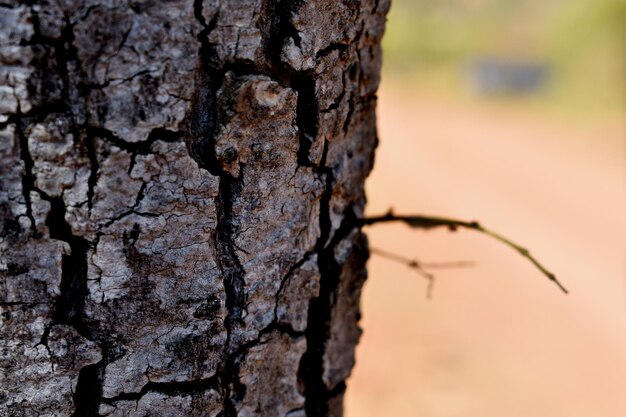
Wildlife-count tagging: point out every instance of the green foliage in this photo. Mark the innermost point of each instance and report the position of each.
(581, 40)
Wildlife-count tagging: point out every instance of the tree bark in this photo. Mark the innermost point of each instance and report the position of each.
(179, 186)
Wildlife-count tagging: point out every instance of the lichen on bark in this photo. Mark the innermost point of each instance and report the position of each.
(178, 189)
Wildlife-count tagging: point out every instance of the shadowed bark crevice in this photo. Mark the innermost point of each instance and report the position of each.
(234, 285)
(284, 279)
(169, 388)
(70, 305)
(28, 178)
(88, 393)
(306, 114)
(94, 170)
(71, 302)
(134, 148)
(320, 308)
(202, 121)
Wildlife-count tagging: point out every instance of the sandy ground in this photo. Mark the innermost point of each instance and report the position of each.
(497, 339)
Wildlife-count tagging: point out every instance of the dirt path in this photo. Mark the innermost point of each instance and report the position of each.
(497, 339)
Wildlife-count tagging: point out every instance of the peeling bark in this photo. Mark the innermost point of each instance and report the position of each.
(178, 193)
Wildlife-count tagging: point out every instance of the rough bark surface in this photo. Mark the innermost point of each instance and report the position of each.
(178, 186)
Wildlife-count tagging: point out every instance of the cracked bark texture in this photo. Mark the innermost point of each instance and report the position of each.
(178, 187)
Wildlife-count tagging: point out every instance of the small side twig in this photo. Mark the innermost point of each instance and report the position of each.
(420, 267)
(427, 222)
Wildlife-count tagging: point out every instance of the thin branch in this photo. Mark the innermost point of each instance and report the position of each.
(411, 263)
(427, 222)
(419, 267)
(426, 265)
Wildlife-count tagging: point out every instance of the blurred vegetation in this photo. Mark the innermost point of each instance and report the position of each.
(582, 42)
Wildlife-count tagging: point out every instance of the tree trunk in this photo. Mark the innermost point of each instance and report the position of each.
(178, 188)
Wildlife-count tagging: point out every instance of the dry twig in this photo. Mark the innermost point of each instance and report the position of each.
(426, 222)
(420, 267)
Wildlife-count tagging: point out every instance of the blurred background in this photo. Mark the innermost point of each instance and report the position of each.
(510, 112)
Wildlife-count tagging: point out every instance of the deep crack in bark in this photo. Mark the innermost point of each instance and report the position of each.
(170, 388)
(234, 286)
(28, 179)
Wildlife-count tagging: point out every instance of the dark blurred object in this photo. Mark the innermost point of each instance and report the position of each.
(497, 76)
